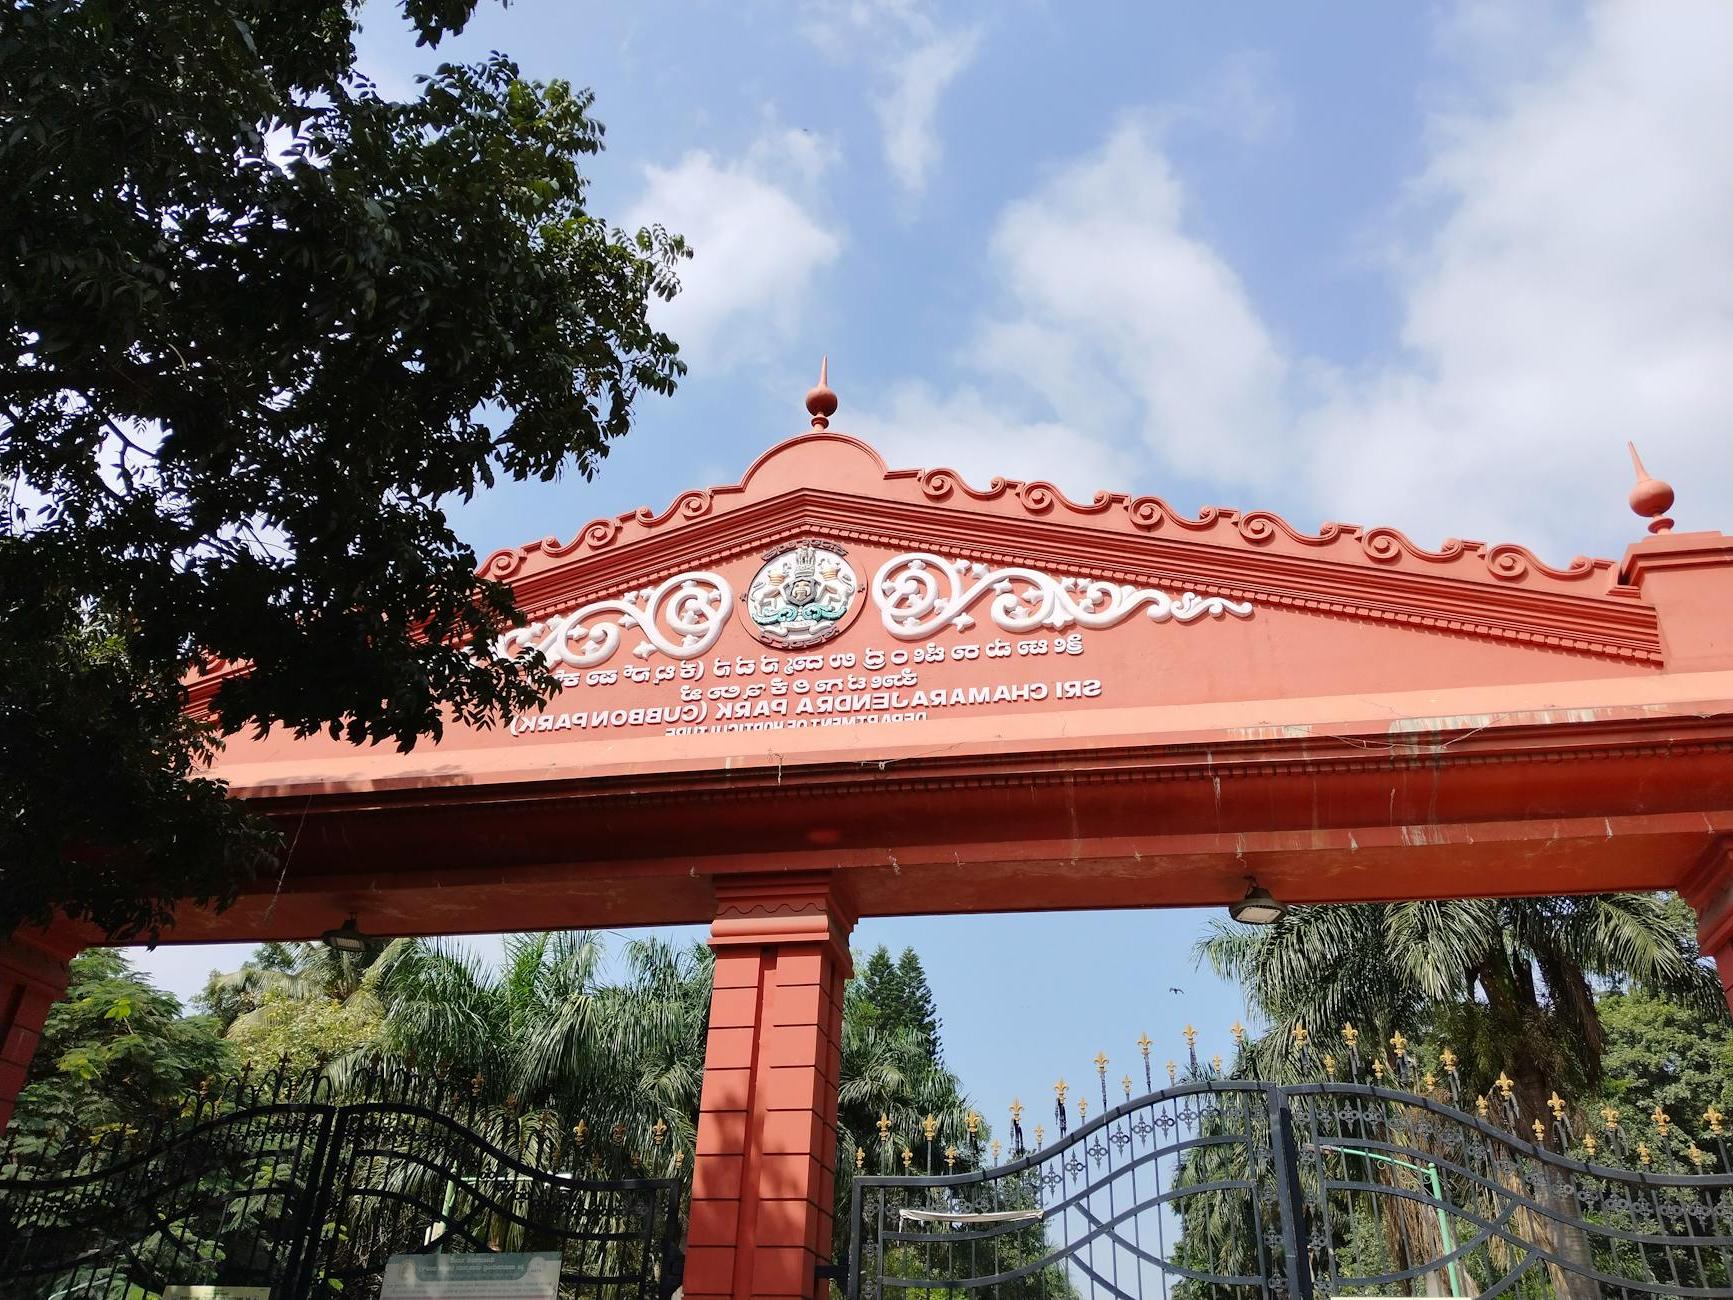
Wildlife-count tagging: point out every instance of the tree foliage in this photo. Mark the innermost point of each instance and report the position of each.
(1509, 984)
(115, 1050)
(259, 327)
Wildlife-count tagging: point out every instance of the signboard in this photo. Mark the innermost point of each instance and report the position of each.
(219, 1292)
(472, 1277)
(808, 636)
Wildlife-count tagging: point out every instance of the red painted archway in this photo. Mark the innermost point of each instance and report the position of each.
(835, 690)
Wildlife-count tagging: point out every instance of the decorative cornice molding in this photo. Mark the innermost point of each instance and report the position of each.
(1505, 562)
(1564, 617)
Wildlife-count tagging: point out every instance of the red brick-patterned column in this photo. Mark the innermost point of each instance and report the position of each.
(32, 975)
(1709, 889)
(765, 1175)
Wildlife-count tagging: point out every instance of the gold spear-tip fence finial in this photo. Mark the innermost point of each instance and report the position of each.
(1238, 1031)
(1101, 1064)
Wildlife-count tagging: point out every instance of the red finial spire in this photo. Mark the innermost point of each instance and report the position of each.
(1650, 498)
(820, 401)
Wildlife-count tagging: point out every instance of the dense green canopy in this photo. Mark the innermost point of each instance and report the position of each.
(260, 327)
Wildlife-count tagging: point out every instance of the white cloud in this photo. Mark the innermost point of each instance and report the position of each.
(1568, 285)
(908, 110)
(913, 58)
(1577, 291)
(965, 431)
(1110, 294)
(758, 245)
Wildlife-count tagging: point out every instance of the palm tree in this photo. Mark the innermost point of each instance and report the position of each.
(546, 1042)
(1509, 984)
(296, 970)
(1512, 980)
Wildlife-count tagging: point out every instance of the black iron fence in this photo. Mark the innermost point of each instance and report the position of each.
(292, 1183)
(1228, 1188)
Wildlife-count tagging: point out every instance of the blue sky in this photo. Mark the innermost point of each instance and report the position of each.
(1408, 264)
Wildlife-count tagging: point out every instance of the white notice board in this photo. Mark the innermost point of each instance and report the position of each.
(472, 1277)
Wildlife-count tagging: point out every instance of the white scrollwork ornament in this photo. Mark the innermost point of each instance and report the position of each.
(682, 618)
(918, 593)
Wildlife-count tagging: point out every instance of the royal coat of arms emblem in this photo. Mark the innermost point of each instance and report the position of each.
(802, 596)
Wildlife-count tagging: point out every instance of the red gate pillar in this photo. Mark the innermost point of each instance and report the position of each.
(1709, 889)
(765, 1174)
(32, 976)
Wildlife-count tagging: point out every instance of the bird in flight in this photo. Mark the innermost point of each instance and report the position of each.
(1171, 989)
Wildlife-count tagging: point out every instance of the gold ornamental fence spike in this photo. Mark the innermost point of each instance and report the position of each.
(1082, 1109)
(1378, 1068)
(1399, 1043)
(1350, 1035)
(908, 1157)
(1040, 1137)
(1643, 1152)
(1126, 1084)
(1329, 1066)
(1239, 1032)
(1144, 1043)
(1429, 1080)
(1190, 1032)
(884, 1126)
(1172, 1072)
(1539, 1132)
(1505, 1083)
(1480, 1107)
(1216, 1064)
(1589, 1144)
(1662, 1119)
(860, 1158)
(1713, 1118)
(1016, 1110)
(1695, 1152)
(950, 1157)
(930, 1126)
(1610, 1118)
(1101, 1064)
(1447, 1059)
(972, 1122)
(1060, 1089)
(994, 1147)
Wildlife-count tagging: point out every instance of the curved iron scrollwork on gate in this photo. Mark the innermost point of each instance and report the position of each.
(287, 1183)
(1229, 1188)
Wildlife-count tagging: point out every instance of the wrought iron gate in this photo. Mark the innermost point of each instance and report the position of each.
(282, 1184)
(1238, 1189)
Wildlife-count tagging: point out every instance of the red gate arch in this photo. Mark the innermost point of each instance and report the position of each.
(836, 689)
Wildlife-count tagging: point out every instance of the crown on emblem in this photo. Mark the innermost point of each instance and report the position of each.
(805, 563)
